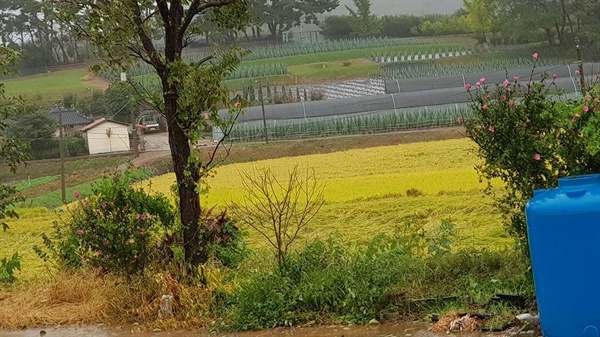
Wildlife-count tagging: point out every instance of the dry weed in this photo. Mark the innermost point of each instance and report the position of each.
(455, 322)
(81, 298)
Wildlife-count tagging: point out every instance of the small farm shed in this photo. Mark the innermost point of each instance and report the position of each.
(105, 135)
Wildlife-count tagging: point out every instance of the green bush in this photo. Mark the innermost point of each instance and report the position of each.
(331, 280)
(116, 229)
(528, 138)
(8, 268)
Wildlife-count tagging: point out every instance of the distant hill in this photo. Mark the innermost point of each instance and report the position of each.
(397, 7)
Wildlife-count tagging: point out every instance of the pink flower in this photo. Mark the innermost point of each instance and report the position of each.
(573, 121)
(467, 86)
(482, 80)
(506, 83)
(511, 102)
(554, 76)
(478, 84)
(503, 98)
(534, 56)
(141, 216)
(80, 232)
(596, 100)
(76, 194)
(86, 202)
(586, 108)
(103, 204)
(577, 116)
(577, 73)
(537, 157)
(492, 129)
(516, 78)
(484, 107)
(459, 120)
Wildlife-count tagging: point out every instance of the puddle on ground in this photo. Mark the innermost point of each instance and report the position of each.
(404, 329)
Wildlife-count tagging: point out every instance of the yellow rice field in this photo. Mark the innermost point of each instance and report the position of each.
(365, 191)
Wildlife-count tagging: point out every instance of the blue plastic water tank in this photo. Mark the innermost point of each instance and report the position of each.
(563, 225)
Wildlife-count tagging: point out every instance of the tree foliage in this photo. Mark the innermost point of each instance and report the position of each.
(34, 127)
(282, 15)
(12, 151)
(481, 18)
(191, 93)
(366, 23)
(31, 27)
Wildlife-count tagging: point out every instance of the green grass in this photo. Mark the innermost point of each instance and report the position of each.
(73, 166)
(312, 72)
(346, 54)
(51, 86)
(334, 70)
(53, 199)
(30, 183)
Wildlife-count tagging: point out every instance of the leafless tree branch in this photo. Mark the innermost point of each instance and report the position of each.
(279, 210)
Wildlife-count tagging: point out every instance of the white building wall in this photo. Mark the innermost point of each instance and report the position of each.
(108, 137)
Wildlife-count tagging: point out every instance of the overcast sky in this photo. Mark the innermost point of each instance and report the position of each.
(397, 7)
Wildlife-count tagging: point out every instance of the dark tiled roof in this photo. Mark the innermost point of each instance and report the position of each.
(72, 117)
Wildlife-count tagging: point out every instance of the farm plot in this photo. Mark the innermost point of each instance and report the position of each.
(356, 88)
(418, 70)
(272, 60)
(359, 123)
(422, 55)
(366, 190)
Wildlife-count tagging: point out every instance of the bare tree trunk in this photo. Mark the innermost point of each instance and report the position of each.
(559, 33)
(273, 29)
(61, 44)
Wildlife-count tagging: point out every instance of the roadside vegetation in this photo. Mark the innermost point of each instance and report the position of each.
(347, 230)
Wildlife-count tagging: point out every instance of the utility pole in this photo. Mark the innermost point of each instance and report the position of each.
(580, 63)
(133, 128)
(135, 135)
(63, 188)
(264, 116)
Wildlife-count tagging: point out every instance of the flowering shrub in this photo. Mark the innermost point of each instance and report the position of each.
(115, 229)
(528, 137)
(227, 240)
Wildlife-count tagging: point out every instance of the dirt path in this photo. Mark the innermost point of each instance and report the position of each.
(403, 329)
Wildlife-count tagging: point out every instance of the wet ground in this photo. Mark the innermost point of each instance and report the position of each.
(410, 329)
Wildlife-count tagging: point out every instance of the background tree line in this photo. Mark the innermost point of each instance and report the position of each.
(492, 22)
(32, 28)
